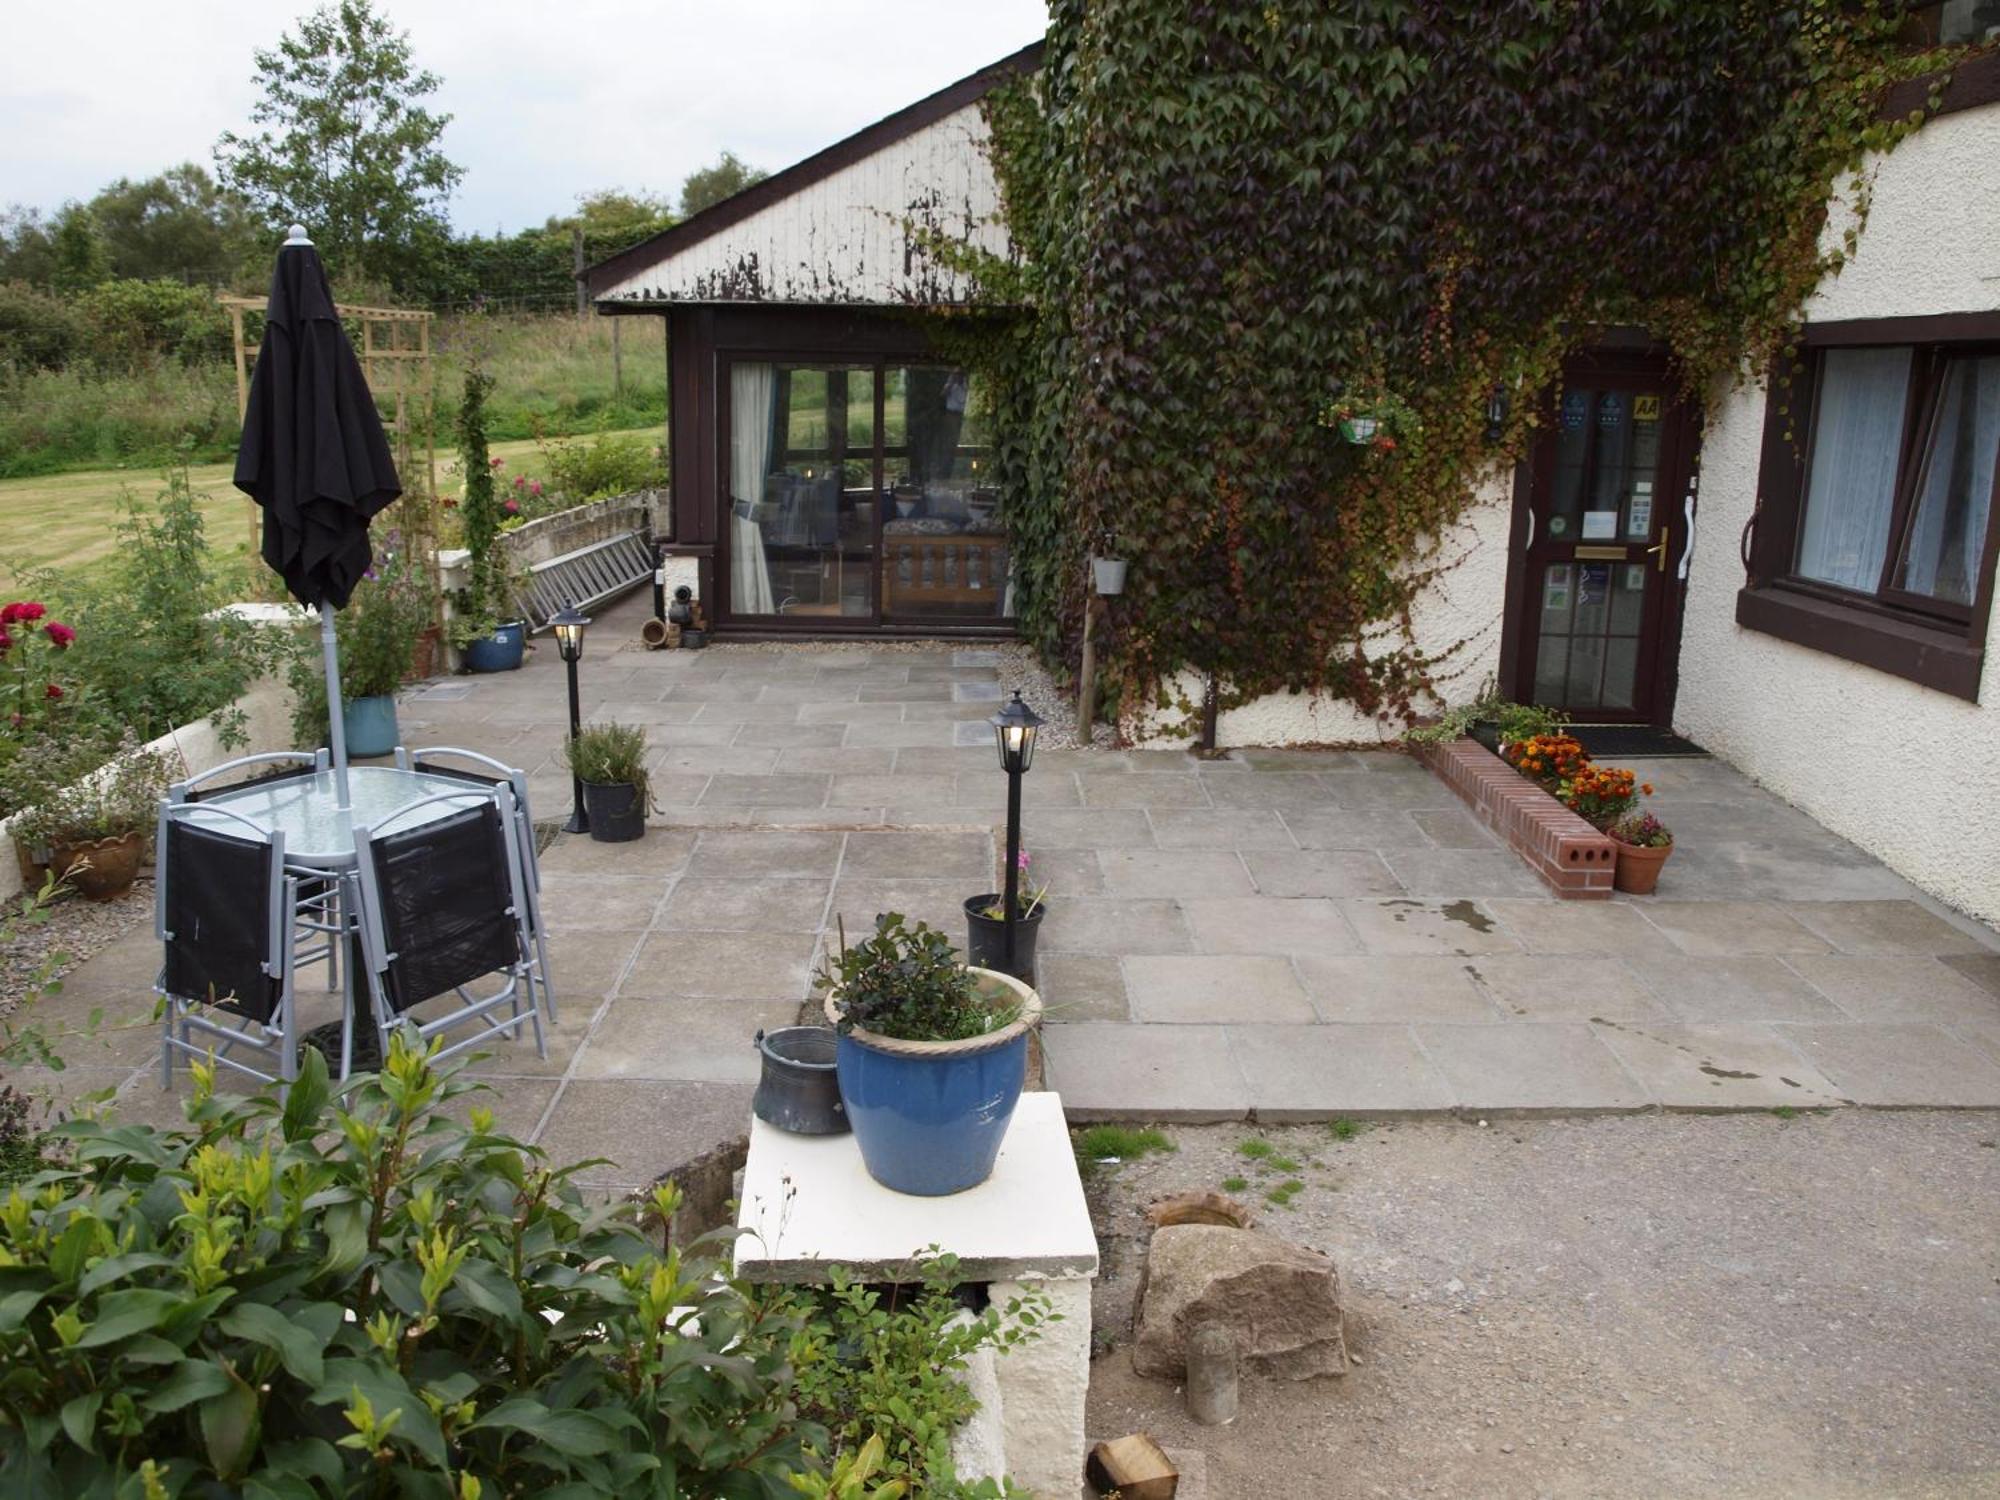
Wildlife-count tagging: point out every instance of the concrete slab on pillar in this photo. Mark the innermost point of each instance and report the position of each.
(808, 1203)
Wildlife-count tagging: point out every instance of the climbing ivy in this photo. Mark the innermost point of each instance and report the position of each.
(1224, 216)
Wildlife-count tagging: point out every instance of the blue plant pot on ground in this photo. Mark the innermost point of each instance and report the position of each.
(500, 651)
(929, 1117)
(370, 724)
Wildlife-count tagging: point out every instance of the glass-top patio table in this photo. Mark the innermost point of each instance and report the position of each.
(319, 833)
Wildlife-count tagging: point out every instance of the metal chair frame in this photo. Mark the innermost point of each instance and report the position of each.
(377, 956)
(187, 1015)
(424, 760)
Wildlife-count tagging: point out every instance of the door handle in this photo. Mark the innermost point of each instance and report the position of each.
(1659, 549)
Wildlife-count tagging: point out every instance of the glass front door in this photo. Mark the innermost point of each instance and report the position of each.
(1606, 538)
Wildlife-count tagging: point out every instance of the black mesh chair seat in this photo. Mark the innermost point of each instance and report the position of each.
(446, 905)
(218, 919)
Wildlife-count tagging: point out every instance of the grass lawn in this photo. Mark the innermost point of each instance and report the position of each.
(67, 520)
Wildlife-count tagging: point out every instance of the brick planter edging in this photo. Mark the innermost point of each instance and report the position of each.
(1574, 859)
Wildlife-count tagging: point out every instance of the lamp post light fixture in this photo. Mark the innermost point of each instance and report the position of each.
(568, 624)
(1014, 734)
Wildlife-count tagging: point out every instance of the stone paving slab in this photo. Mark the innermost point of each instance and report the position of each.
(1281, 934)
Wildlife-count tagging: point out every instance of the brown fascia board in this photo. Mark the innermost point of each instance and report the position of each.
(781, 185)
(1973, 83)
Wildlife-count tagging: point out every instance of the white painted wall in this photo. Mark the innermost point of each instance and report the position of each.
(848, 238)
(1909, 774)
(1462, 608)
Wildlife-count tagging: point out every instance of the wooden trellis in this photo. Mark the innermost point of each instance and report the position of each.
(396, 360)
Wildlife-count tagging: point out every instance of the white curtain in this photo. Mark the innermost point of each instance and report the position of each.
(753, 390)
(1948, 535)
(1851, 486)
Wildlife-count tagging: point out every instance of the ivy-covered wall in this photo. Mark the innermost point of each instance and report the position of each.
(1227, 218)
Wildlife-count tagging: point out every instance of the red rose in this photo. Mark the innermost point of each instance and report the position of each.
(28, 613)
(10, 614)
(54, 691)
(61, 634)
(512, 507)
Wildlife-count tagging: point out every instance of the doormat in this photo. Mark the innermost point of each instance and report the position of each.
(1633, 742)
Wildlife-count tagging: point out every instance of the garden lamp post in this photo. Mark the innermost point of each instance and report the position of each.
(569, 623)
(1014, 733)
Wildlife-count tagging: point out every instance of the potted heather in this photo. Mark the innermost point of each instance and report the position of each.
(931, 1056)
(378, 632)
(87, 806)
(986, 925)
(610, 761)
(1644, 843)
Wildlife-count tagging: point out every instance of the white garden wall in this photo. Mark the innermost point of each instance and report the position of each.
(1910, 774)
(1459, 613)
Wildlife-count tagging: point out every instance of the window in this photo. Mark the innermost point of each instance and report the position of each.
(1876, 531)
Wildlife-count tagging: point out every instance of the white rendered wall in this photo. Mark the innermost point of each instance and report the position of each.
(1910, 774)
(1461, 608)
(854, 236)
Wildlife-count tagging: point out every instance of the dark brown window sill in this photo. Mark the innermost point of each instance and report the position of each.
(1935, 656)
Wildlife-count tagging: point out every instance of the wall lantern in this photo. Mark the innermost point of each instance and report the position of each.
(1496, 413)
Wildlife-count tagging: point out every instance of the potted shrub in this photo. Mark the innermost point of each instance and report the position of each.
(610, 760)
(931, 1058)
(91, 806)
(488, 637)
(1373, 418)
(986, 926)
(1644, 843)
(378, 634)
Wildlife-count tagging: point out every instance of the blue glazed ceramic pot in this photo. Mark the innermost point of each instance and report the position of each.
(500, 651)
(370, 724)
(930, 1116)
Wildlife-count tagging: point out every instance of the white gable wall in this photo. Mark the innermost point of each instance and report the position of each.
(1910, 774)
(855, 236)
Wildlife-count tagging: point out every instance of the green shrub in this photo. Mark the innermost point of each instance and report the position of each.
(126, 323)
(873, 1367)
(609, 755)
(153, 650)
(38, 330)
(907, 982)
(373, 1299)
(57, 419)
(606, 464)
(377, 635)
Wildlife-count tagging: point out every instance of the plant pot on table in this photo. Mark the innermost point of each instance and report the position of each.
(929, 1117)
(369, 723)
(617, 811)
(500, 651)
(99, 869)
(1638, 867)
(986, 937)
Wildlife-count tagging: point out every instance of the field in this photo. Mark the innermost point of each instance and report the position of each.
(552, 370)
(69, 520)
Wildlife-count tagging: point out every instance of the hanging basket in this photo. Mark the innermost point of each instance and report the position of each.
(1359, 429)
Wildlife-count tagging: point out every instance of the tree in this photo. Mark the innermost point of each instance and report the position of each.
(708, 186)
(347, 148)
(26, 253)
(78, 251)
(178, 225)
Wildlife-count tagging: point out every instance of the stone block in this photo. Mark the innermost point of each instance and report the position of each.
(1281, 1300)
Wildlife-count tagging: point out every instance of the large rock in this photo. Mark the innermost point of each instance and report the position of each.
(1281, 1300)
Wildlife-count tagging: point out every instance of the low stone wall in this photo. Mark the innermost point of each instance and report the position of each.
(1574, 859)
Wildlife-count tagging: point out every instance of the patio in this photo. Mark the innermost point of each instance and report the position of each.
(1280, 935)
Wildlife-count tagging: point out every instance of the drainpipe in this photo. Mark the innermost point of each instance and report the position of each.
(1208, 716)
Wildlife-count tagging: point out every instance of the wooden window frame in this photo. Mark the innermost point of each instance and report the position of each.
(1925, 640)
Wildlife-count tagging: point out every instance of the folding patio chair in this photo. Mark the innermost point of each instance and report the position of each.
(435, 760)
(443, 905)
(223, 903)
(317, 906)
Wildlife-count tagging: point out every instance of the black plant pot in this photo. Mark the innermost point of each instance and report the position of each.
(1486, 732)
(986, 938)
(616, 810)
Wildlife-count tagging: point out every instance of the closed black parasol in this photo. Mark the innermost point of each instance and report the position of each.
(314, 455)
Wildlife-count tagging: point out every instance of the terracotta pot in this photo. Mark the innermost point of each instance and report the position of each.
(1638, 868)
(102, 870)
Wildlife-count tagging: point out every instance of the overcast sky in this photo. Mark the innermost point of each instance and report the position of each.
(548, 100)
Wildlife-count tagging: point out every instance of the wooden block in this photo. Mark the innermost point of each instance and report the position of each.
(1134, 1467)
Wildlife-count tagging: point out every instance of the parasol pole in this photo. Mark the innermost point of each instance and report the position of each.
(336, 727)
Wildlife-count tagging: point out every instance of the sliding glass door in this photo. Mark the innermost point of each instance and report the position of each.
(860, 492)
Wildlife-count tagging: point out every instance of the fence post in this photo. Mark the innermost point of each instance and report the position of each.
(576, 267)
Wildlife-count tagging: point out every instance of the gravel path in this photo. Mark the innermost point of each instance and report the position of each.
(71, 931)
(1635, 1306)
